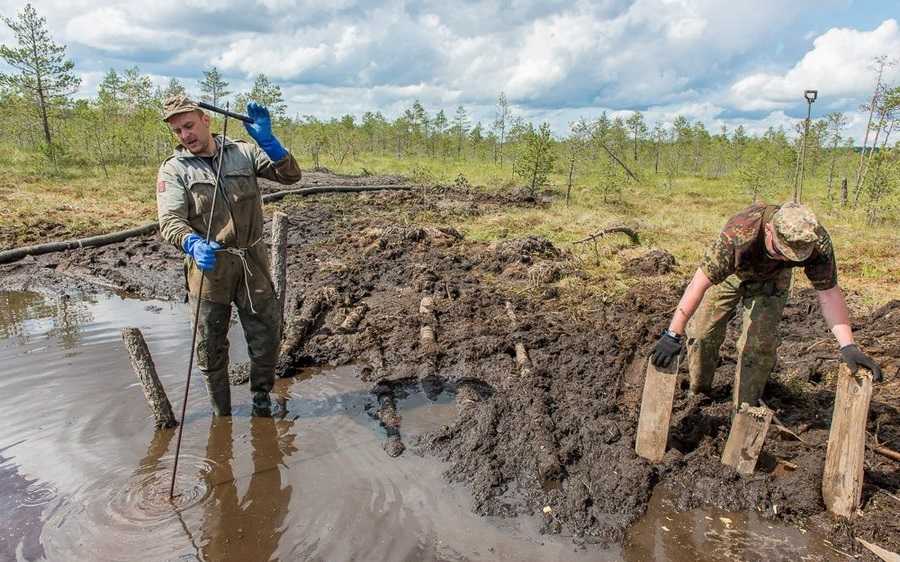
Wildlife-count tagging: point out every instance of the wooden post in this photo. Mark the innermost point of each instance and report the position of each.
(745, 440)
(656, 412)
(143, 366)
(843, 476)
(279, 258)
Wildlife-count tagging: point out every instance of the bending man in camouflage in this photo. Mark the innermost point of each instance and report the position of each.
(235, 262)
(749, 267)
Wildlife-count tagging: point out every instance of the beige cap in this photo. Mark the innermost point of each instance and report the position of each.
(795, 231)
(178, 104)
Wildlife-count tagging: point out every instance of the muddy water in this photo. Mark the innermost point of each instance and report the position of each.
(84, 477)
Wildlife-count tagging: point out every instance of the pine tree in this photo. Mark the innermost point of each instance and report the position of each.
(536, 162)
(174, 88)
(460, 128)
(45, 76)
(213, 87)
(265, 93)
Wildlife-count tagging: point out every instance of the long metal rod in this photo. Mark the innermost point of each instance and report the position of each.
(187, 386)
(225, 112)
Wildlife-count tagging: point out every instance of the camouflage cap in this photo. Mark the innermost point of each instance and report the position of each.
(178, 104)
(795, 231)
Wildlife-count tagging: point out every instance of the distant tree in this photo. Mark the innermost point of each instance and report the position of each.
(837, 122)
(501, 122)
(460, 128)
(638, 129)
(536, 161)
(213, 88)
(44, 75)
(174, 88)
(265, 93)
(438, 128)
(576, 149)
(879, 64)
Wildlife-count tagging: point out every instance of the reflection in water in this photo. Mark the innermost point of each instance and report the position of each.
(22, 530)
(247, 528)
(28, 314)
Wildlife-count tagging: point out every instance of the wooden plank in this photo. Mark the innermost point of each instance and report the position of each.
(656, 412)
(882, 553)
(746, 438)
(843, 476)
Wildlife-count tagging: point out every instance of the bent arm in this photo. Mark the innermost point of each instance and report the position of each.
(689, 302)
(834, 309)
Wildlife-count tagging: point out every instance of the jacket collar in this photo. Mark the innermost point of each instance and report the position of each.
(182, 152)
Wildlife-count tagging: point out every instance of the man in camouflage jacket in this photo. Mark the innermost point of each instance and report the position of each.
(235, 262)
(748, 267)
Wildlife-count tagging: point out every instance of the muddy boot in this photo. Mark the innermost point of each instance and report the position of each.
(262, 405)
(220, 398)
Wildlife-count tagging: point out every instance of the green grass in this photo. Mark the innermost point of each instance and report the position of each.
(81, 202)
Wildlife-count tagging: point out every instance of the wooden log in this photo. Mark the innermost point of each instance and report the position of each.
(303, 191)
(843, 476)
(878, 551)
(427, 340)
(523, 362)
(656, 413)
(746, 438)
(279, 258)
(353, 319)
(889, 453)
(301, 327)
(143, 366)
(7, 256)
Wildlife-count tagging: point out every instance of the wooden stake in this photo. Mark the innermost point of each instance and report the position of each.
(279, 258)
(745, 440)
(843, 476)
(656, 413)
(143, 366)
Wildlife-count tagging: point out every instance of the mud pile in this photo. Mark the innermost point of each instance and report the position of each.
(548, 396)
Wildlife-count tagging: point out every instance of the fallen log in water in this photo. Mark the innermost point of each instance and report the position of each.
(143, 366)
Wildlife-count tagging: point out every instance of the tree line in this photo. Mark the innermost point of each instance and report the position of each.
(120, 126)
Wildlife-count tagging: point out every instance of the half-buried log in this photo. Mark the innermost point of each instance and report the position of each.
(300, 327)
(656, 413)
(842, 479)
(746, 438)
(143, 366)
(279, 258)
(353, 319)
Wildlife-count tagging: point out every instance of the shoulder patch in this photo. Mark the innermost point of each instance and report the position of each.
(161, 186)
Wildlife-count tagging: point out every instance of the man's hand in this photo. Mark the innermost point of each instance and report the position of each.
(261, 131)
(204, 254)
(667, 348)
(855, 358)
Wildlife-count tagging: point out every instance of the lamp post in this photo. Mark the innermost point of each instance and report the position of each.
(810, 96)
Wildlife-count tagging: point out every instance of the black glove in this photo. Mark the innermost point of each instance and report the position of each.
(855, 358)
(667, 348)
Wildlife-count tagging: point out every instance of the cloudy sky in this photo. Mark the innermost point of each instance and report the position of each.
(718, 61)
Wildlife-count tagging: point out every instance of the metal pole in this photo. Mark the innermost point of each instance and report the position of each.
(803, 151)
(187, 386)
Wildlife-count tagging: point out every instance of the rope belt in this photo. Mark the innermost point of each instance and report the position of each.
(241, 253)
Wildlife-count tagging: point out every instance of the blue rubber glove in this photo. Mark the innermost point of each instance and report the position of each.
(204, 254)
(261, 131)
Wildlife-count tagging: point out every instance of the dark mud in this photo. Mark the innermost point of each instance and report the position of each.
(553, 436)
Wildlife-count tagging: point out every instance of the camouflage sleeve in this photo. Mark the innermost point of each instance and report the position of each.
(172, 207)
(821, 268)
(718, 261)
(286, 171)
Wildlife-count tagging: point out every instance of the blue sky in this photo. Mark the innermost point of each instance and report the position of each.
(720, 62)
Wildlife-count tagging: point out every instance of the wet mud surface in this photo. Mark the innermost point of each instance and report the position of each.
(548, 394)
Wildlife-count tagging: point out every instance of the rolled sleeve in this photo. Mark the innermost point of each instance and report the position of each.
(718, 261)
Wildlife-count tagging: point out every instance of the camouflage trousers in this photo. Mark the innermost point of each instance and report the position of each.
(761, 304)
(262, 330)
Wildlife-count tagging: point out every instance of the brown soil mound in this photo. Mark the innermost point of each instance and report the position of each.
(654, 262)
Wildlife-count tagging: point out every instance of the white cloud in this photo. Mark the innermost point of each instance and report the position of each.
(837, 66)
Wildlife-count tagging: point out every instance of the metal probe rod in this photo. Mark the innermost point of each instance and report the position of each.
(225, 112)
(212, 209)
